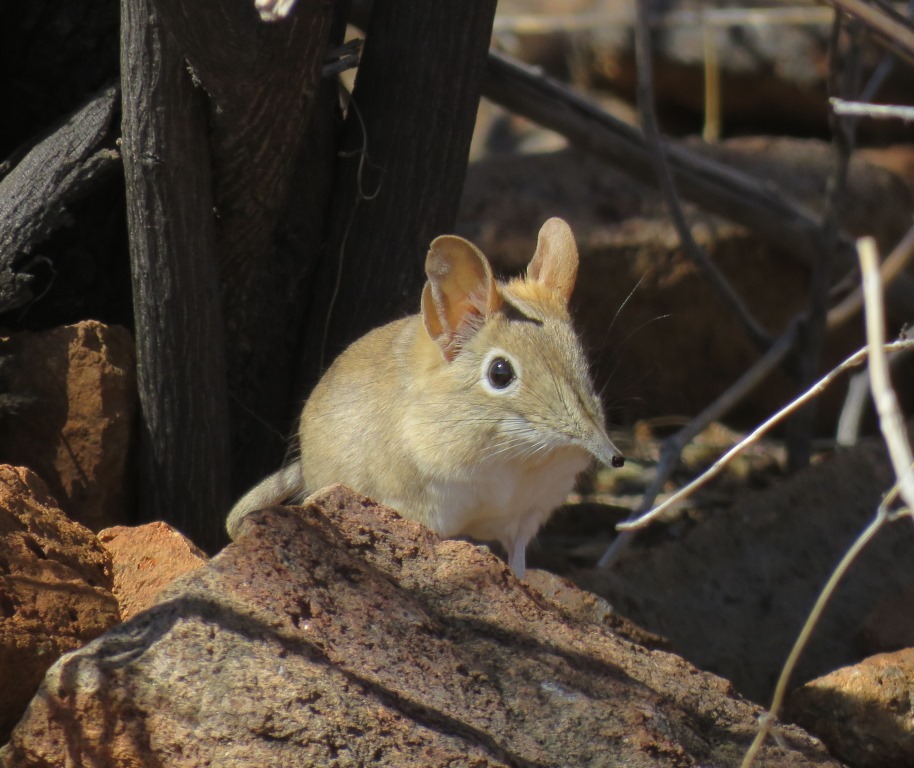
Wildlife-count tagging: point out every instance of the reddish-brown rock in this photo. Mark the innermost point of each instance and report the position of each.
(146, 559)
(55, 589)
(76, 433)
(587, 606)
(864, 713)
(340, 634)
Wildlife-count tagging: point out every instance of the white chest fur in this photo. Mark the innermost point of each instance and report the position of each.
(505, 502)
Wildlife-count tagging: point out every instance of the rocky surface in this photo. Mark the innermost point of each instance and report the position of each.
(145, 559)
(731, 587)
(864, 713)
(339, 634)
(55, 588)
(76, 433)
(664, 343)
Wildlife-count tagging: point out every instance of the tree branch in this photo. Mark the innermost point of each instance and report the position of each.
(56, 172)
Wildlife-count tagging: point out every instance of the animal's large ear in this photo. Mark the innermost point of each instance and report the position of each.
(460, 293)
(555, 263)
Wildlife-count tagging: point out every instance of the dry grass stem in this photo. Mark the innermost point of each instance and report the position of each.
(892, 426)
(891, 422)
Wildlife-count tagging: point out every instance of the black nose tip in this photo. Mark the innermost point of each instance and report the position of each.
(617, 461)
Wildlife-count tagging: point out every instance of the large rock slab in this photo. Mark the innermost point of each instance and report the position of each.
(339, 634)
(55, 589)
(77, 431)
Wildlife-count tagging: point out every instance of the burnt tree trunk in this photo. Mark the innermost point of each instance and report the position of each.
(260, 80)
(401, 167)
(181, 371)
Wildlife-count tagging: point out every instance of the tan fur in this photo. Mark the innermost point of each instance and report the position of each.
(407, 416)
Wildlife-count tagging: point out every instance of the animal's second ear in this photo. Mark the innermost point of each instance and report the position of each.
(555, 263)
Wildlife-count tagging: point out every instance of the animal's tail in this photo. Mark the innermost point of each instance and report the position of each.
(285, 484)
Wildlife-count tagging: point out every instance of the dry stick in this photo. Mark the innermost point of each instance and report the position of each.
(715, 469)
(890, 420)
(645, 97)
(672, 448)
(858, 389)
(798, 432)
(892, 426)
(893, 266)
(875, 111)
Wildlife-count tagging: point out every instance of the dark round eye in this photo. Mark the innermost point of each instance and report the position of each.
(500, 373)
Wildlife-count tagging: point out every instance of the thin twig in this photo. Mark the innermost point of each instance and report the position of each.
(645, 96)
(893, 266)
(856, 359)
(672, 447)
(876, 111)
(843, 76)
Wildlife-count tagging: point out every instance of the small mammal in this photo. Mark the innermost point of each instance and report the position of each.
(473, 417)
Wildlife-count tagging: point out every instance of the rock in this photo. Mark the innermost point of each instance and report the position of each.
(889, 626)
(145, 559)
(588, 607)
(864, 713)
(77, 433)
(340, 634)
(664, 342)
(55, 589)
(731, 589)
(899, 159)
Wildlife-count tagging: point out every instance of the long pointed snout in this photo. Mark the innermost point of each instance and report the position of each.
(605, 451)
